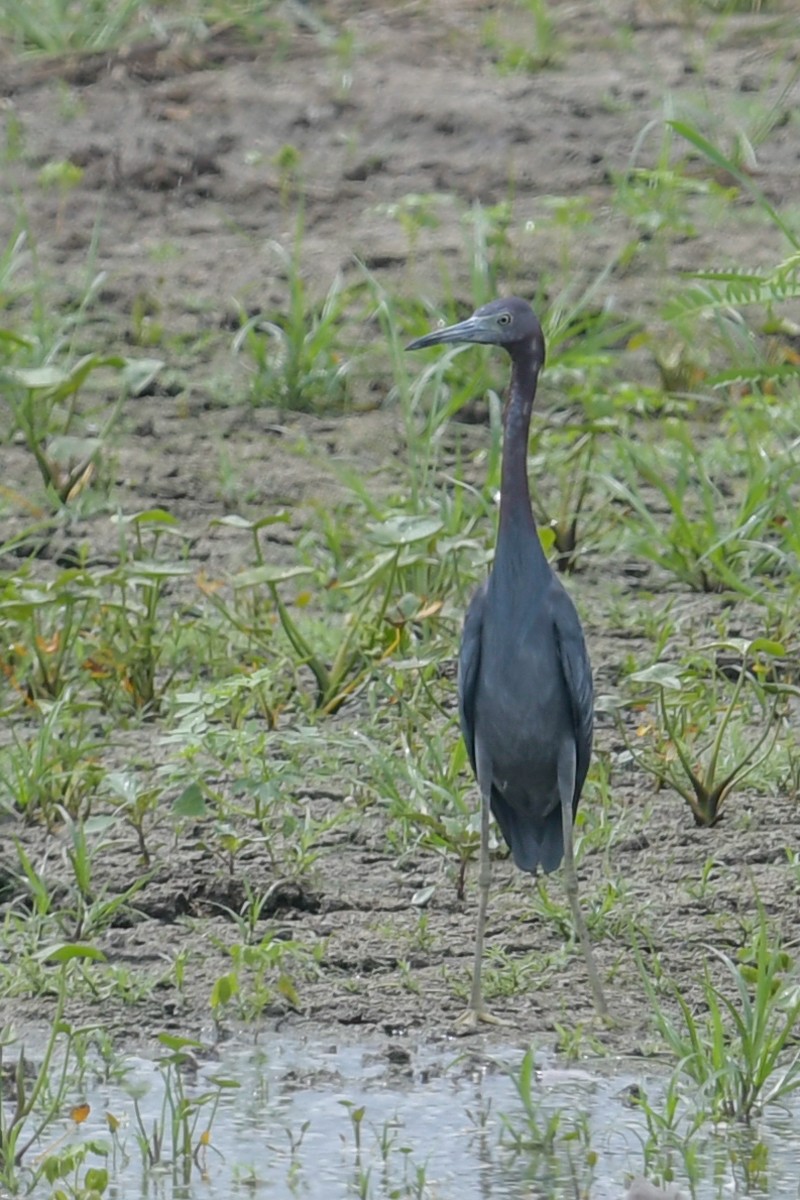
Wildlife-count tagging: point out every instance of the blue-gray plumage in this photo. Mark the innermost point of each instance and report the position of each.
(524, 680)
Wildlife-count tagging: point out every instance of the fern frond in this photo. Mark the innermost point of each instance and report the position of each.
(734, 289)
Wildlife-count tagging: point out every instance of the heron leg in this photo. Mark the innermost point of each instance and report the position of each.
(477, 1012)
(566, 787)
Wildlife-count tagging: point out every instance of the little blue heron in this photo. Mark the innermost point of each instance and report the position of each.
(524, 680)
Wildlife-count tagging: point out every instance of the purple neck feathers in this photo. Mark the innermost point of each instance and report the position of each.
(516, 516)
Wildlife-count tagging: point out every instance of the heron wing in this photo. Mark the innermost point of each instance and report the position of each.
(469, 661)
(577, 674)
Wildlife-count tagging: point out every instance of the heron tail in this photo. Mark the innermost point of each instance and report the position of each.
(532, 845)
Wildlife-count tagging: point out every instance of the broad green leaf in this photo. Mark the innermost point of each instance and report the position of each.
(38, 379)
(224, 990)
(137, 373)
(547, 537)
(66, 448)
(662, 674)
(145, 572)
(402, 531)
(288, 990)
(66, 953)
(763, 645)
(190, 803)
(147, 516)
(95, 1180)
(747, 648)
(174, 1041)
(10, 338)
(378, 565)
(123, 786)
(234, 521)
(99, 823)
(267, 573)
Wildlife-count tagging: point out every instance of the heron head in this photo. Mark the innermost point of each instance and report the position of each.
(511, 323)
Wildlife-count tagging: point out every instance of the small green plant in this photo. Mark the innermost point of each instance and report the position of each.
(598, 916)
(93, 907)
(746, 315)
(425, 784)
(715, 538)
(673, 1146)
(61, 176)
(739, 1048)
(33, 1097)
(45, 410)
(130, 637)
(705, 747)
(302, 836)
(297, 355)
(138, 805)
(288, 160)
(53, 767)
(491, 251)
(181, 1135)
(536, 43)
(41, 623)
(263, 974)
(415, 212)
(565, 458)
(46, 27)
(722, 161)
(538, 1132)
(427, 404)
(342, 656)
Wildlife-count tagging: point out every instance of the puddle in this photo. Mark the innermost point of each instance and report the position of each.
(318, 1120)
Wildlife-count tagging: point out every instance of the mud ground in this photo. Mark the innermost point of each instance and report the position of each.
(179, 200)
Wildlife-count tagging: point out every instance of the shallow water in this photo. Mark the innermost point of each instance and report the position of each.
(314, 1119)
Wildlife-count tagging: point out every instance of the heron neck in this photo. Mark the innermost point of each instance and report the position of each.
(516, 515)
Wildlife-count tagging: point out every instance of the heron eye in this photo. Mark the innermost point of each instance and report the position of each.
(504, 319)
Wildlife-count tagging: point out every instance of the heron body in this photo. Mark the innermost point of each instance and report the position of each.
(525, 683)
(517, 704)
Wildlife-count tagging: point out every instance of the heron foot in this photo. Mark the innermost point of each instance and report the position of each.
(471, 1021)
(606, 1020)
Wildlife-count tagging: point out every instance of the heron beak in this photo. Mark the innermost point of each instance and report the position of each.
(474, 329)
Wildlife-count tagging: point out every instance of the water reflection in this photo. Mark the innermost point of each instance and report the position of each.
(315, 1119)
